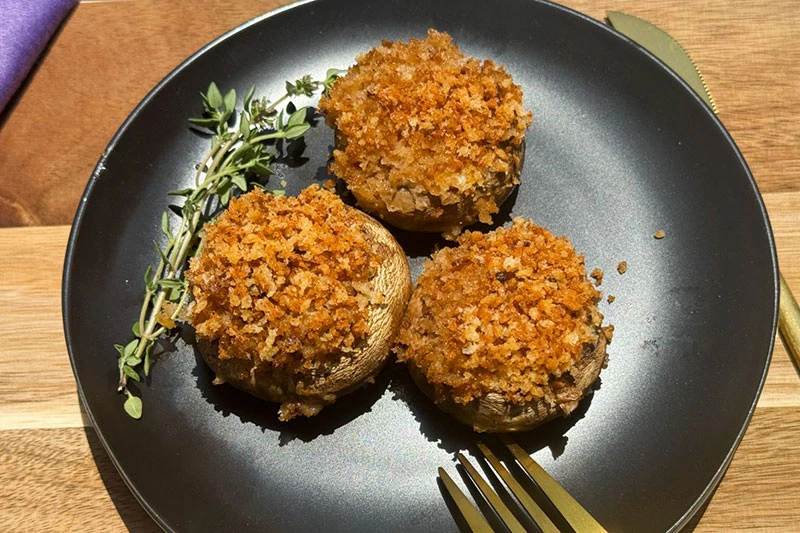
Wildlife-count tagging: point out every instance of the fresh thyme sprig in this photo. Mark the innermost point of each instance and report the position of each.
(237, 157)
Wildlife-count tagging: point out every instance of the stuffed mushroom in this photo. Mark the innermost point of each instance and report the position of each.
(503, 331)
(297, 300)
(427, 138)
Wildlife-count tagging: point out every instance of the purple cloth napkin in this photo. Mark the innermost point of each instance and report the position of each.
(25, 28)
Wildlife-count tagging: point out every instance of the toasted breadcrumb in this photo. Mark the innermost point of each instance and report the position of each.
(622, 267)
(660, 234)
(164, 316)
(420, 125)
(506, 312)
(608, 332)
(597, 276)
(611, 298)
(284, 280)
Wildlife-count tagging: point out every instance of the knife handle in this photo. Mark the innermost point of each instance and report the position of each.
(789, 321)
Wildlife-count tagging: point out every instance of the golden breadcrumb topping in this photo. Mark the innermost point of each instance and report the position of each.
(284, 280)
(505, 312)
(421, 118)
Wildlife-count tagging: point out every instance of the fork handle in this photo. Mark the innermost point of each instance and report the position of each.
(789, 321)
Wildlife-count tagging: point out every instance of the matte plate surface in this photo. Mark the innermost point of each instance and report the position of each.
(618, 149)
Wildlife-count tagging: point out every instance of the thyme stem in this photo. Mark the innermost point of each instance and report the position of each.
(236, 158)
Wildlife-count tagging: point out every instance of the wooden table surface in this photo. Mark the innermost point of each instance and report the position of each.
(54, 474)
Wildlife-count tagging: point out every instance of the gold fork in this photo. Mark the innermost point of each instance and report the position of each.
(569, 508)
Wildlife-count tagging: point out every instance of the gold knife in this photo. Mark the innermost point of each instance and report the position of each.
(663, 46)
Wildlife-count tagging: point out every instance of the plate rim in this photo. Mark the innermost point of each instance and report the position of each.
(99, 169)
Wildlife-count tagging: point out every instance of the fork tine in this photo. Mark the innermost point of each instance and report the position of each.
(491, 496)
(536, 512)
(578, 517)
(477, 523)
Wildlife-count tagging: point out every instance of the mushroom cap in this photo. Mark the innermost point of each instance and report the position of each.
(493, 413)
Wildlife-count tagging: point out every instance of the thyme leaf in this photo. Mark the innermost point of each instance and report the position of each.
(133, 405)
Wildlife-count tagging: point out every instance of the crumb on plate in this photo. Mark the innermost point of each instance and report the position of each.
(597, 276)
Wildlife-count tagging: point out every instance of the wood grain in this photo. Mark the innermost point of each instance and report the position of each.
(63, 480)
(759, 491)
(37, 387)
(108, 55)
(782, 387)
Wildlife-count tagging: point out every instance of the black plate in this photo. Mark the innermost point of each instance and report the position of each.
(619, 148)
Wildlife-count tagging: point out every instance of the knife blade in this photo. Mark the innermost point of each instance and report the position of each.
(667, 49)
